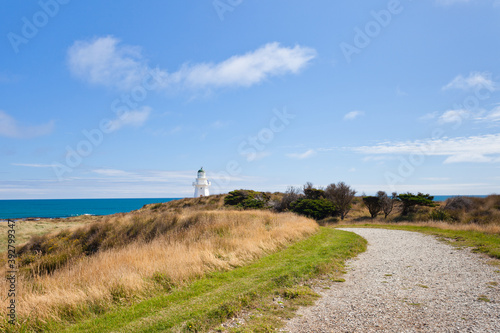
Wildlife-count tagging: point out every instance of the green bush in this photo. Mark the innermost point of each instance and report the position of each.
(439, 215)
(410, 201)
(316, 209)
(247, 199)
(374, 205)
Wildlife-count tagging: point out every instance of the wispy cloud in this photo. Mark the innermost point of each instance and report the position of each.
(105, 61)
(9, 127)
(249, 69)
(400, 92)
(474, 80)
(353, 115)
(453, 116)
(218, 124)
(255, 156)
(112, 172)
(491, 116)
(479, 149)
(435, 179)
(304, 155)
(134, 118)
(34, 165)
(451, 2)
(428, 116)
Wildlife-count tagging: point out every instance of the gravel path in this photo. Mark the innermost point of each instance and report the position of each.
(407, 282)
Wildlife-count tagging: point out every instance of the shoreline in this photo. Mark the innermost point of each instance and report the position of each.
(34, 219)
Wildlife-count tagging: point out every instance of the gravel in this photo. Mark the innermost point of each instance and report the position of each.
(407, 282)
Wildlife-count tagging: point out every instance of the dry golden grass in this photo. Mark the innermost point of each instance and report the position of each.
(26, 229)
(202, 242)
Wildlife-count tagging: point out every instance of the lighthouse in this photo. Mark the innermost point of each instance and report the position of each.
(201, 184)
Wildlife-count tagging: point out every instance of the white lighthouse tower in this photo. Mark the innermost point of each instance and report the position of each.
(201, 184)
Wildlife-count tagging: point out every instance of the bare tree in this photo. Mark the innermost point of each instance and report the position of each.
(313, 193)
(386, 202)
(341, 195)
(292, 194)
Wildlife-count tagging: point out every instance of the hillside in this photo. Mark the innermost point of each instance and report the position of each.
(124, 258)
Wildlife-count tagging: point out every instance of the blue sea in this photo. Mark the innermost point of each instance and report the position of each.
(53, 208)
(444, 197)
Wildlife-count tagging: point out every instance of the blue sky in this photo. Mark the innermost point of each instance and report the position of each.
(101, 99)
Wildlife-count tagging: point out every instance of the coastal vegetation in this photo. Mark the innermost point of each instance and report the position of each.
(191, 264)
(125, 258)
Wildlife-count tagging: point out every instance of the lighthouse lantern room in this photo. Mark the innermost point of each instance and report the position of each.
(201, 184)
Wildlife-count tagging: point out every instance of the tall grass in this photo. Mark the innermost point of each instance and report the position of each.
(136, 255)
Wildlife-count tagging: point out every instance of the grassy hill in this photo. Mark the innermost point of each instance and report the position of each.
(124, 259)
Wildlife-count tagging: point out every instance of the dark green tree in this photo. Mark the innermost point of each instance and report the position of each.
(374, 205)
(317, 209)
(313, 193)
(410, 201)
(247, 199)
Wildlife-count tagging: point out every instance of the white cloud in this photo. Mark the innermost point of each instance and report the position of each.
(112, 172)
(307, 154)
(474, 80)
(34, 165)
(10, 128)
(105, 61)
(485, 148)
(428, 116)
(218, 124)
(493, 115)
(133, 118)
(249, 69)
(353, 115)
(451, 2)
(255, 156)
(435, 179)
(453, 116)
(468, 157)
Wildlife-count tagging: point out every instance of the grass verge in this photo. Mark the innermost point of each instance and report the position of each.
(210, 301)
(483, 242)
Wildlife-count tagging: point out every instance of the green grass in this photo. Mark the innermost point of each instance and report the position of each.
(210, 301)
(479, 241)
(483, 298)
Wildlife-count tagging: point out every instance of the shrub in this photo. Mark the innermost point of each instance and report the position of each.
(247, 199)
(313, 193)
(439, 215)
(386, 202)
(341, 195)
(459, 203)
(291, 195)
(373, 204)
(410, 201)
(316, 209)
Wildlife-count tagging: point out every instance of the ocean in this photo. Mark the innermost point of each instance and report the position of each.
(444, 197)
(54, 208)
